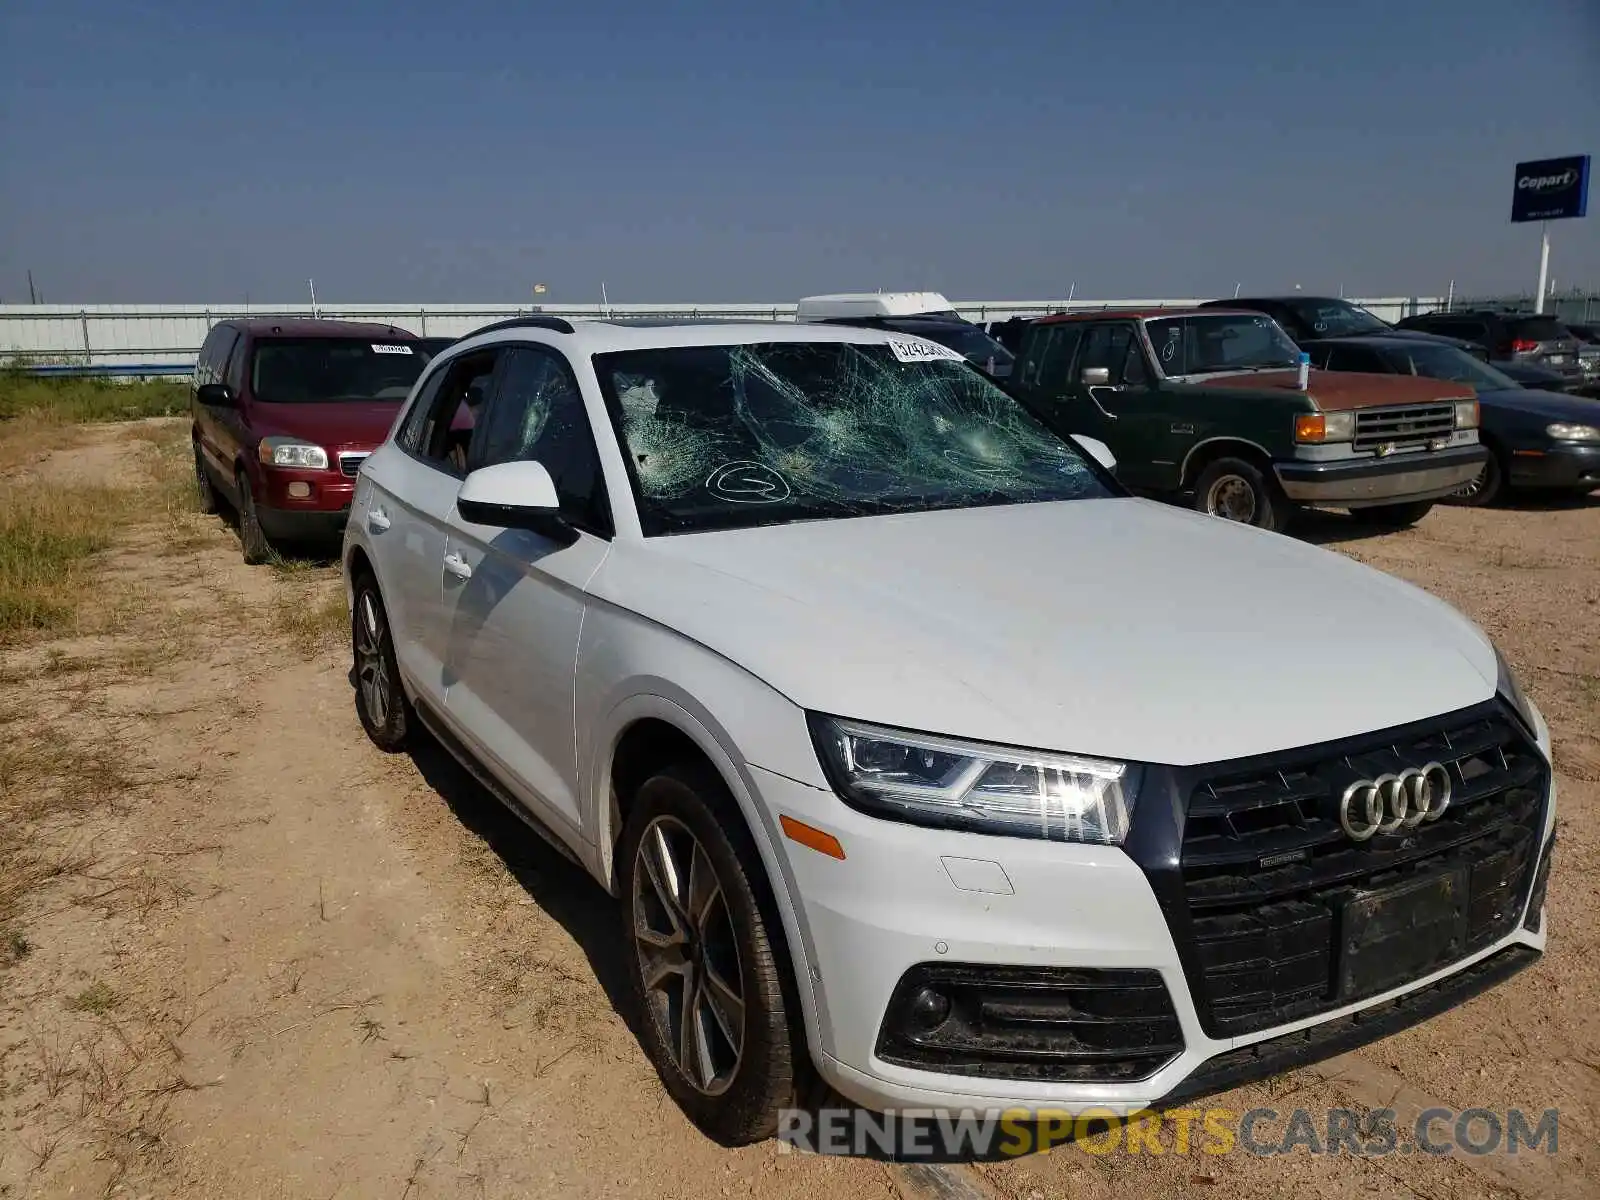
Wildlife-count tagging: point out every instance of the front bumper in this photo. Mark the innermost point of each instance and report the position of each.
(1564, 465)
(906, 896)
(1357, 483)
(316, 516)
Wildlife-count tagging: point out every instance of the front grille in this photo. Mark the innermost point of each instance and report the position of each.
(350, 464)
(1404, 428)
(1042, 1023)
(1266, 870)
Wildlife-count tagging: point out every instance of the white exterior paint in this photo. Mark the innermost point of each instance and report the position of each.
(1074, 627)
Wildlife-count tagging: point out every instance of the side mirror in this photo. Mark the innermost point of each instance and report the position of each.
(514, 495)
(1096, 377)
(1098, 450)
(215, 395)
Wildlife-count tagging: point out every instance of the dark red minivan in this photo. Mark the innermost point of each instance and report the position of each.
(284, 412)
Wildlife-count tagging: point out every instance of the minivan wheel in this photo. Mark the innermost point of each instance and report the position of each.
(702, 968)
(205, 492)
(380, 697)
(253, 542)
(1236, 490)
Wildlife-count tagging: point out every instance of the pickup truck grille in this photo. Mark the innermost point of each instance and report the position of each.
(350, 464)
(1409, 427)
(1266, 870)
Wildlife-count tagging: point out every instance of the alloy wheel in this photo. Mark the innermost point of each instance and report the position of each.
(688, 955)
(372, 667)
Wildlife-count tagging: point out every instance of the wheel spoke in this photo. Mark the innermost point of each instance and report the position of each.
(665, 877)
(692, 1054)
(660, 967)
(704, 889)
(725, 1005)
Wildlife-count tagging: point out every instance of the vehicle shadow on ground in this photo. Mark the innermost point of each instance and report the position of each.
(557, 885)
(1322, 527)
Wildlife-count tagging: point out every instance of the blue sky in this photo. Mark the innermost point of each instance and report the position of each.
(719, 151)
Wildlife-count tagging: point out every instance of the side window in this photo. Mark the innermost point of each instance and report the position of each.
(1056, 369)
(417, 416)
(234, 372)
(1325, 357)
(442, 425)
(1134, 371)
(538, 415)
(206, 366)
(1108, 346)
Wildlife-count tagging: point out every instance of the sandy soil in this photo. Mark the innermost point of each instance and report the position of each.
(264, 959)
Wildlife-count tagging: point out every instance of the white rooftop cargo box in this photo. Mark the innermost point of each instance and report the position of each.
(856, 305)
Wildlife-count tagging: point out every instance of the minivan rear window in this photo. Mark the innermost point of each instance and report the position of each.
(326, 370)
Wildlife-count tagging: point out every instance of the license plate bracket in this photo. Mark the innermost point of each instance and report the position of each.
(1391, 935)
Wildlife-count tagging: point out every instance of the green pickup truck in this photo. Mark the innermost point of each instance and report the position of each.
(1206, 404)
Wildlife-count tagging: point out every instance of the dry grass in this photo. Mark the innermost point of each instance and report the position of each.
(76, 401)
(313, 617)
(47, 535)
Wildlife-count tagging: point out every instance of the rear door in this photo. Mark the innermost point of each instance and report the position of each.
(515, 599)
(1129, 413)
(411, 486)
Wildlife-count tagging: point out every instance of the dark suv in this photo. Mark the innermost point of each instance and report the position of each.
(284, 411)
(1518, 337)
(950, 331)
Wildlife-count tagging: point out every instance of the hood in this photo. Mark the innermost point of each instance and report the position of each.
(1337, 391)
(1121, 627)
(1534, 402)
(348, 424)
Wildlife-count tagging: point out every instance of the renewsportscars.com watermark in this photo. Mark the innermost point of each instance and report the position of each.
(928, 1133)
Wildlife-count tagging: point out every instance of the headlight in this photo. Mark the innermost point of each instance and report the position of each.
(1466, 414)
(291, 452)
(1564, 432)
(1325, 427)
(1511, 692)
(931, 780)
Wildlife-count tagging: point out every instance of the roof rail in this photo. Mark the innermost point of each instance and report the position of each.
(556, 324)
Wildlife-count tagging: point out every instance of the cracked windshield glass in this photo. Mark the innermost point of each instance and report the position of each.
(720, 437)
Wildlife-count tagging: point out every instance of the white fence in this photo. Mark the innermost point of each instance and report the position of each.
(170, 334)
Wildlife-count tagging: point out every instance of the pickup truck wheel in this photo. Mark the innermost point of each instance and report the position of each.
(702, 968)
(205, 491)
(1397, 516)
(253, 542)
(381, 702)
(1486, 488)
(1237, 490)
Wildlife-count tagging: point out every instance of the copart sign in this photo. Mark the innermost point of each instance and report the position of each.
(1551, 189)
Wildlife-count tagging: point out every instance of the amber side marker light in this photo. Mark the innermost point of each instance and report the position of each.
(1310, 427)
(811, 838)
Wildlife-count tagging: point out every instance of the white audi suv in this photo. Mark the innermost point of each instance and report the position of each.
(922, 759)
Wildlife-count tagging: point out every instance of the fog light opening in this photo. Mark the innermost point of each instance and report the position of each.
(930, 1009)
(299, 490)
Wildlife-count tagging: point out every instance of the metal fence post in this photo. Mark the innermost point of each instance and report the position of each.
(422, 316)
(83, 320)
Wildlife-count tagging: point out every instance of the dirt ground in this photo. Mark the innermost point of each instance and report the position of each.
(248, 955)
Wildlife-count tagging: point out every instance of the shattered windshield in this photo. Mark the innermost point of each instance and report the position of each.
(720, 437)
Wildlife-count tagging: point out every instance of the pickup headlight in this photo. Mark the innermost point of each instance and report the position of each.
(1563, 432)
(1466, 414)
(930, 780)
(291, 452)
(1325, 427)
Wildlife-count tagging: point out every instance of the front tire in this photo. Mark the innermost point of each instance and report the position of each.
(381, 702)
(253, 543)
(1237, 490)
(703, 970)
(1396, 516)
(1487, 488)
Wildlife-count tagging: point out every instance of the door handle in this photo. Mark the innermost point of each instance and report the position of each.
(455, 565)
(377, 520)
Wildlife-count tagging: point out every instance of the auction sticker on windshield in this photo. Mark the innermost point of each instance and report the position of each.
(376, 349)
(909, 352)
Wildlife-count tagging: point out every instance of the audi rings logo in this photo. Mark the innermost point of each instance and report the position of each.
(1392, 802)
